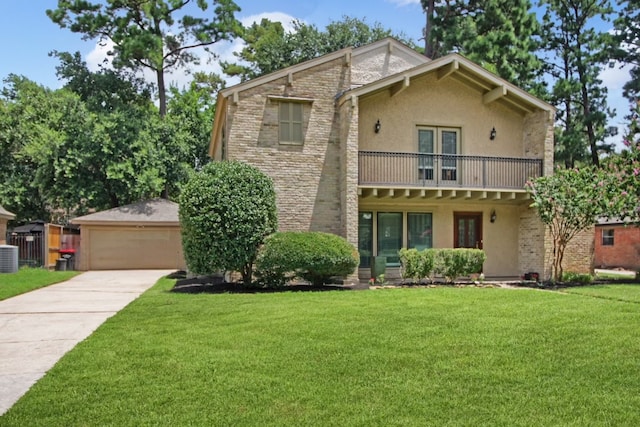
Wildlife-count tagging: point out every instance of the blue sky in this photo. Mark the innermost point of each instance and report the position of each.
(28, 35)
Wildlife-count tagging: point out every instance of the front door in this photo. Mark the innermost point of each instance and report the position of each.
(467, 230)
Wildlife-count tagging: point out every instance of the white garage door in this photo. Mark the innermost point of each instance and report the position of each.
(135, 248)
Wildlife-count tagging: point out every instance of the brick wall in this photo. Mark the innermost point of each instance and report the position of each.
(307, 176)
(625, 251)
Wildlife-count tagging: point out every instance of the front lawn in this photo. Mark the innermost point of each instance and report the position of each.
(28, 279)
(397, 357)
(629, 293)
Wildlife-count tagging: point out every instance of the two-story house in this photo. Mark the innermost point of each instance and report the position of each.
(390, 149)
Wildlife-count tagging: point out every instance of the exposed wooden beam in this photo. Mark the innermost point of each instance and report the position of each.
(448, 69)
(467, 194)
(399, 87)
(494, 94)
(290, 79)
(483, 195)
(234, 98)
(438, 194)
(417, 193)
(347, 58)
(453, 194)
(497, 196)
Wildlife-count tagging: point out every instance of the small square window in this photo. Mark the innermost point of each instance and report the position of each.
(607, 237)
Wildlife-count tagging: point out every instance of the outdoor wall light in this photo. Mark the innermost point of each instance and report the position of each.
(376, 128)
(492, 134)
(493, 216)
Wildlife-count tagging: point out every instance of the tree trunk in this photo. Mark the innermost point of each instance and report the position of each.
(162, 94)
(429, 49)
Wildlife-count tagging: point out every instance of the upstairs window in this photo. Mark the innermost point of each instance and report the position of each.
(607, 237)
(291, 122)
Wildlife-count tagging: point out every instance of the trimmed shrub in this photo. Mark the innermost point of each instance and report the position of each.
(312, 256)
(417, 265)
(454, 263)
(226, 211)
(571, 277)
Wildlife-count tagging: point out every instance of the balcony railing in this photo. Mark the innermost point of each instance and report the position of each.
(445, 170)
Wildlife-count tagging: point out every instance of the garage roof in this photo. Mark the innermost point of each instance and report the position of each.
(147, 212)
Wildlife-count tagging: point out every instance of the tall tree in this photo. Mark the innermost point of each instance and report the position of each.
(501, 35)
(628, 28)
(576, 54)
(270, 48)
(159, 35)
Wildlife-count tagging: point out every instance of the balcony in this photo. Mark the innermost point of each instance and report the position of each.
(438, 171)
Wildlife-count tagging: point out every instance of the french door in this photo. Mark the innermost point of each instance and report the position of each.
(438, 149)
(467, 230)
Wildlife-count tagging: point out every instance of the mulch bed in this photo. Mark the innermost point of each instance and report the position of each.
(217, 285)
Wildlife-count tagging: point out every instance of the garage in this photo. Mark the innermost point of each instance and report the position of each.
(144, 235)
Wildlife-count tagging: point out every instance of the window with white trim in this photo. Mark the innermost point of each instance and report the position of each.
(607, 237)
(438, 149)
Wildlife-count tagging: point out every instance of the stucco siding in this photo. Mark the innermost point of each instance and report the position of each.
(370, 65)
(443, 103)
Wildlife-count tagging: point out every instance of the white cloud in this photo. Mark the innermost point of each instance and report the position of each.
(98, 56)
(404, 2)
(285, 19)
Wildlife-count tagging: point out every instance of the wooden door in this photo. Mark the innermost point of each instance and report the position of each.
(467, 230)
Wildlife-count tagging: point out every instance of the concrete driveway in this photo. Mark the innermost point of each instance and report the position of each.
(39, 327)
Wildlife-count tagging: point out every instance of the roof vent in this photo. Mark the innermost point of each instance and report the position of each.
(8, 259)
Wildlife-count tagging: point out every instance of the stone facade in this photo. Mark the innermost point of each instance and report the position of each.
(342, 97)
(307, 177)
(578, 256)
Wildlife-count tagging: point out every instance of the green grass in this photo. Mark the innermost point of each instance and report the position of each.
(399, 357)
(628, 293)
(28, 279)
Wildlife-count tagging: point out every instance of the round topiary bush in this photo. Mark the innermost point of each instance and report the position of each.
(226, 211)
(312, 256)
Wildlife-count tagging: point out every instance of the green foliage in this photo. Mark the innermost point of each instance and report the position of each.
(417, 265)
(568, 202)
(454, 263)
(449, 263)
(269, 48)
(577, 54)
(501, 35)
(312, 256)
(627, 25)
(622, 175)
(97, 143)
(572, 277)
(226, 211)
(159, 35)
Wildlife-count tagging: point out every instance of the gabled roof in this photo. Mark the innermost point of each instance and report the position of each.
(460, 68)
(147, 212)
(5, 214)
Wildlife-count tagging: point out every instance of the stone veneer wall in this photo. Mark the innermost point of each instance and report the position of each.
(578, 256)
(538, 138)
(307, 177)
(532, 243)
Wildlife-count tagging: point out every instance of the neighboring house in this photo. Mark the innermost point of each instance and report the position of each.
(389, 149)
(617, 245)
(5, 216)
